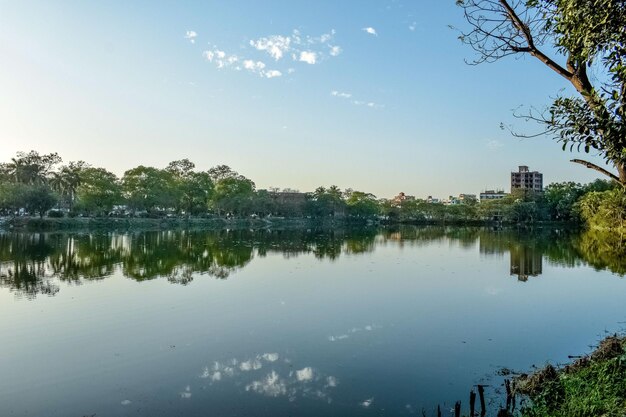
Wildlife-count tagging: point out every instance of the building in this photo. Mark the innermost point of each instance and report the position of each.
(525, 179)
(489, 195)
(401, 198)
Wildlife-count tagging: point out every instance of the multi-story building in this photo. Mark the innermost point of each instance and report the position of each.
(525, 179)
(492, 195)
(401, 198)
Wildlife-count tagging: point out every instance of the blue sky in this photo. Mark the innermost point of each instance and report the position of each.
(372, 95)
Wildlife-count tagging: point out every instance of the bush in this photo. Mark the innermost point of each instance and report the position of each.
(57, 214)
(605, 209)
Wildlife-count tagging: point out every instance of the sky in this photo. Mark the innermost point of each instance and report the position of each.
(373, 95)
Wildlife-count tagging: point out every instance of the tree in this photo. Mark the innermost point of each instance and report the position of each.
(147, 188)
(362, 205)
(67, 179)
(30, 168)
(195, 188)
(232, 194)
(325, 202)
(38, 198)
(561, 199)
(233, 191)
(99, 191)
(586, 36)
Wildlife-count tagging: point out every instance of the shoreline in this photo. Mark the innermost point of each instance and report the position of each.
(46, 224)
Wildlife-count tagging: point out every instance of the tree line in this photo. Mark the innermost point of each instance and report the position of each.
(40, 184)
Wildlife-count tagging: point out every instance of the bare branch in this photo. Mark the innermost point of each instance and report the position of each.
(597, 168)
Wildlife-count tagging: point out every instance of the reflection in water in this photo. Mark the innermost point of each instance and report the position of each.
(33, 263)
(526, 262)
(268, 376)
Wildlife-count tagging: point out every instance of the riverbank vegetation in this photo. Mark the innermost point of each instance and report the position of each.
(594, 385)
(35, 184)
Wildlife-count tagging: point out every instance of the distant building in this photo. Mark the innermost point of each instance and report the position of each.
(467, 198)
(432, 200)
(525, 179)
(461, 199)
(489, 195)
(288, 197)
(401, 198)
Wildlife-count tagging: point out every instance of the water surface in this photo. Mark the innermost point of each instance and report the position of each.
(283, 323)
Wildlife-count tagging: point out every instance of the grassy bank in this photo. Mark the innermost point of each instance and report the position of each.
(594, 385)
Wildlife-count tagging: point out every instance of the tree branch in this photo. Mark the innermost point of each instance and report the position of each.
(532, 49)
(597, 168)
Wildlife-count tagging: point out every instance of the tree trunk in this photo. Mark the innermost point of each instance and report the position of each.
(621, 169)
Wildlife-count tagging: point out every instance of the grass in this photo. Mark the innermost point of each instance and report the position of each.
(592, 386)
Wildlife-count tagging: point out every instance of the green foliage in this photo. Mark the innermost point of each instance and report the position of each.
(98, 191)
(30, 168)
(605, 209)
(233, 192)
(362, 205)
(147, 188)
(66, 181)
(561, 199)
(37, 198)
(325, 202)
(594, 388)
(195, 188)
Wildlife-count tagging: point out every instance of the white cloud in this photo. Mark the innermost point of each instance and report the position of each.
(308, 56)
(335, 50)
(274, 45)
(370, 30)
(413, 26)
(340, 94)
(253, 66)
(220, 58)
(494, 144)
(306, 49)
(191, 36)
(369, 104)
(327, 36)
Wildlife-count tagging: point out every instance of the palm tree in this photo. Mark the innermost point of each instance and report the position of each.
(67, 180)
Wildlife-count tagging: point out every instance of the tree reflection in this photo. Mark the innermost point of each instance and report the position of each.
(32, 264)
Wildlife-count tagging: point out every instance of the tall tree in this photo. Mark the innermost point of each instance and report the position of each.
(67, 179)
(98, 191)
(146, 188)
(572, 38)
(31, 167)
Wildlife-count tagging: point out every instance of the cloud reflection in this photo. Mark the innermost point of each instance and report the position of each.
(343, 336)
(278, 381)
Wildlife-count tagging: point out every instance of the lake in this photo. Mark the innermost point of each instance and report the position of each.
(296, 322)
